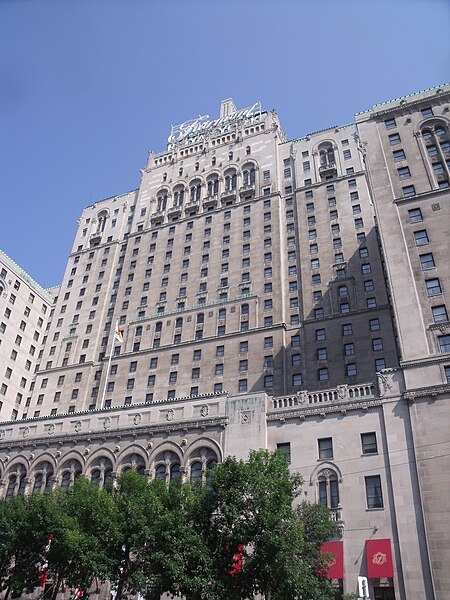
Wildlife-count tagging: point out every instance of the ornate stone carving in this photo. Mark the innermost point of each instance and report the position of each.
(245, 417)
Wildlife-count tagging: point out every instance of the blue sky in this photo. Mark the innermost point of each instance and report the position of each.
(88, 87)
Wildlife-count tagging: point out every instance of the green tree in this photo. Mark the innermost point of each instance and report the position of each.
(177, 559)
(80, 553)
(137, 508)
(251, 504)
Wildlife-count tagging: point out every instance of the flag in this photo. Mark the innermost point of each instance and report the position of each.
(118, 333)
(44, 569)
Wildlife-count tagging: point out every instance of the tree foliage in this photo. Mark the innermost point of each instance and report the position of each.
(244, 532)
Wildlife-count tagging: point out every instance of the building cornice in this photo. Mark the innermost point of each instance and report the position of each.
(403, 102)
(17, 270)
(432, 391)
(423, 362)
(337, 407)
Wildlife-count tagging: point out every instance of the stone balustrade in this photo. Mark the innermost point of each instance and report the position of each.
(342, 393)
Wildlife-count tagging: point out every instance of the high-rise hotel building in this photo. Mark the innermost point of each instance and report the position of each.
(271, 293)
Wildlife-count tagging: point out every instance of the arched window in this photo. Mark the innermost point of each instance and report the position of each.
(65, 480)
(161, 201)
(158, 326)
(210, 465)
(343, 291)
(230, 180)
(175, 472)
(11, 486)
(134, 462)
(436, 138)
(249, 175)
(213, 185)
(16, 481)
(160, 472)
(244, 309)
(195, 191)
(196, 471)
(178, 196)
(222, 314)
(42, 478)
(202, 461)
(328, 488)
(101, 221)
(167, 467)
(200, 318)
(326, 154)
(70, 471)
(179, 322)
(101, 472)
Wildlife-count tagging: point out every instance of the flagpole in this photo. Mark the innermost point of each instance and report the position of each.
(109, 365)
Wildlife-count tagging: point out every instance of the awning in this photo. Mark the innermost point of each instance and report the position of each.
(379, 559)
(336, 567)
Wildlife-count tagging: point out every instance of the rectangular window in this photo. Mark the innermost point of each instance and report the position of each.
(427, 261)
(295, 341)
(439, 314)
(394, 139)
(325, 446)
(369, 443)
(415, 215)
(351, 370)
(349, 349)
(268, 342)
(242, 385)
(444, 343)
(297, 380)
(421, 237)
(322, 374)
(390, 123)
(374, 492)
(320, 335)
(347, 329)
(433, 287)
(380, 364)
(399, 155)
(321, 354)
(408, 191)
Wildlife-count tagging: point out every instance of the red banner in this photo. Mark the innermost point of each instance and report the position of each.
(336, 566)
(379, 559)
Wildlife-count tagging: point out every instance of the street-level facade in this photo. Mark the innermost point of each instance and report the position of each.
(267, 293)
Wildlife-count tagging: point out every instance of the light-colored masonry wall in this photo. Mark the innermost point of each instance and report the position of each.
(271, 293)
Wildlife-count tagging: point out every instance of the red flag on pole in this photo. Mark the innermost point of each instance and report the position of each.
(44, 569)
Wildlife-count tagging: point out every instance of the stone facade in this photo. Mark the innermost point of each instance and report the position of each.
(246, 271)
